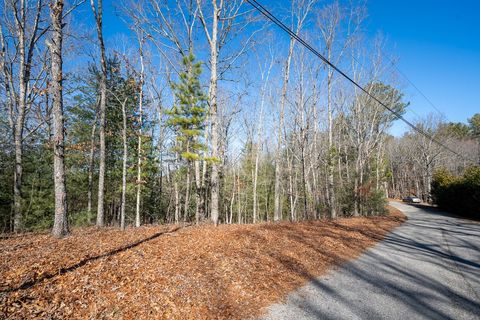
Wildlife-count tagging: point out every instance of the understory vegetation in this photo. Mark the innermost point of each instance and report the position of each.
(458, 194)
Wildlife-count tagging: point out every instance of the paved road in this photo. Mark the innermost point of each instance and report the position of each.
(428, 268)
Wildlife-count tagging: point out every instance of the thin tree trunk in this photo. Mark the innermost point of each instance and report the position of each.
(124, 166)
(304, 182)
(187, 193)
(203, 188)
(331, 188)
(356, 205)
(198, 193)
(139, 164)
(17, 177)
(232, 199)
(90, 167)
(177, 201)
(255, 182)
(259, 144)
(103, 100)
(239, 205)
(277, 213)
(377, 167)
(291, 187)
(60, 224)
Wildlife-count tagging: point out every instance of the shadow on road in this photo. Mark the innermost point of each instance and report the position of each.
(427, 268)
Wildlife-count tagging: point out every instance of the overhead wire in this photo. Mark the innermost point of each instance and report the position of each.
(265, 12)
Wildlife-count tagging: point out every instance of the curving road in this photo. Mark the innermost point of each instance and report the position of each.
(428, 268)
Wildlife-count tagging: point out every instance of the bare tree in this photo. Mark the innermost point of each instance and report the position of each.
(427, 152)
(124, 165)
(300, 9)
(223, 15)
(141, 39)
(265, 71)
(18, 57)
(212, 37)
(91, 162)
(60, 225)
(98, 15)
(330, 21)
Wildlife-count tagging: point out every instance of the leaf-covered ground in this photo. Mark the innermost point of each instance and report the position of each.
(206, 272)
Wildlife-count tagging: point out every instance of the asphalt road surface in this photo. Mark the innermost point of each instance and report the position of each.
(428, 268)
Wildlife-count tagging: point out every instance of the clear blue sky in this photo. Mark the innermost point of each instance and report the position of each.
(438, 45)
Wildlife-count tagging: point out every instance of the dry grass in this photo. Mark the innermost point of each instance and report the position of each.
(227, 272)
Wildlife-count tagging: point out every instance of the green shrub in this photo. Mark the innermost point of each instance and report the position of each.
(459, 195)
(80, 219)
(376, 203)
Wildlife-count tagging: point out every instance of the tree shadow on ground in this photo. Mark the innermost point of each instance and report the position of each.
(30, 283)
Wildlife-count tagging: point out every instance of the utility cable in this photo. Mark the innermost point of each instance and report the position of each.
(282, 26)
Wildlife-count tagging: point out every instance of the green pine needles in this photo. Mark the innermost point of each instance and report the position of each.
(188, 114)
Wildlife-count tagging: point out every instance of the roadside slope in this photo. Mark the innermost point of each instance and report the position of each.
(231, 271)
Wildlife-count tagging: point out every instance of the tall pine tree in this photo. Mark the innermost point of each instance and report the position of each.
(187, 118)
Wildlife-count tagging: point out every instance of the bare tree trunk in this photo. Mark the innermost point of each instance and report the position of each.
(356, 185)
(177, 201)
(265, 78)
(239, 205)
(17, 177)
(215, 183)
(222, 23)
(187, 193)
(19, 125)
(203, 180)
(304, 184)
(90, 167)
(60, 224)
(277, 213)
(124, 166)
(291, 190)
(255, 182)
(140, 111)
(331, 188)
(98, 14)
(232, 199)
(198, 193)
(302, 16)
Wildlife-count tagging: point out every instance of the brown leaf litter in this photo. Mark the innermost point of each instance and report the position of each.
(159, 272)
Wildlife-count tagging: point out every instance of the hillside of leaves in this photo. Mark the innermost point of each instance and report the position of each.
(172, 272)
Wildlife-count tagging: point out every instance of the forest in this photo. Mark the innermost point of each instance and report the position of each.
(204, 112)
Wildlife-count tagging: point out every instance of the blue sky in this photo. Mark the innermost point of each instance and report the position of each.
(438, 46)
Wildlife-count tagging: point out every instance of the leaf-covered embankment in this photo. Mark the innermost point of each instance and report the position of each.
(230, 271)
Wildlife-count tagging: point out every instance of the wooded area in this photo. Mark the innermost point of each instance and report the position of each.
(204, 113)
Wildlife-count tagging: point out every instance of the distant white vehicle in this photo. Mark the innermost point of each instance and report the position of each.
(411, 199)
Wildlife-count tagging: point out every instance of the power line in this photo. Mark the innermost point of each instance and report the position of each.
(408, 80)
(419, 91)
(282, 26)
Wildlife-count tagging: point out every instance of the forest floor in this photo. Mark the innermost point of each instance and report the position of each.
(157, 272)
